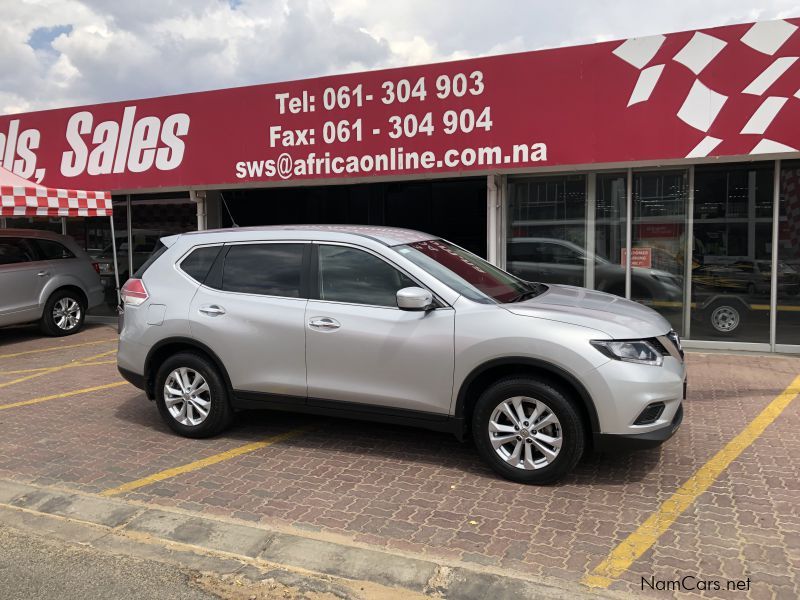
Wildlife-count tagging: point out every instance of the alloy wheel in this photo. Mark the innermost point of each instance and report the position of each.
(67, 313)
(525, 433)
(187, 396)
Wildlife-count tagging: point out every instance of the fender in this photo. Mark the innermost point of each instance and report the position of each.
(729, 298)
(541, 365)
(186, 341)
(58, 281)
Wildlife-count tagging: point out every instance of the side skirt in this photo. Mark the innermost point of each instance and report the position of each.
(244, 400)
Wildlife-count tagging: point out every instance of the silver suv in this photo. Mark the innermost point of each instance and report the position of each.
(397, 326)
(48, 278)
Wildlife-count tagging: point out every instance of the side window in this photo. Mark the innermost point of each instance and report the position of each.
(523, 252)
(197, 264)
(355, 276)
(565, 256)
(544, 253)
(50, 250)
(16, 250)
(269, 269)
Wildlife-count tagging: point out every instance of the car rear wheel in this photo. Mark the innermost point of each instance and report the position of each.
(64, 313)
(528, 430)
(192, 397)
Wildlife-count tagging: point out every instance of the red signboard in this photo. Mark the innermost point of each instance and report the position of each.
(660, 230)
(723, 91)
(641, 257)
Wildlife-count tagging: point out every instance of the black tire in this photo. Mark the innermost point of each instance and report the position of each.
(220, 414)
(49, 323)
(573, 434)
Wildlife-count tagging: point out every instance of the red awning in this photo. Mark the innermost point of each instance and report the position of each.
(22, 198)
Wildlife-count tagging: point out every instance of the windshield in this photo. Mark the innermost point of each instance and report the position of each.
(468, 274)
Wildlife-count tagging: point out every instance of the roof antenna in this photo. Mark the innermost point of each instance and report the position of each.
(225, 204)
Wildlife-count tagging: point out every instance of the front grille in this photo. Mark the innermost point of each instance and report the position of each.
(650, 414)
(656, 343)
(673, 337)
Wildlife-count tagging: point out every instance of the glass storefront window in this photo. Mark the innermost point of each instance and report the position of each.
(547, 229)
(731, 252)
(788, 300)
(658, 242)
(610, 241)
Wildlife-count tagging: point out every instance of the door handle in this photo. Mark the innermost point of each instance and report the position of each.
(212, 310)
(324, 323)
(42, 274)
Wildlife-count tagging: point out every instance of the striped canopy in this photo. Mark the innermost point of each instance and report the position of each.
(22, 198)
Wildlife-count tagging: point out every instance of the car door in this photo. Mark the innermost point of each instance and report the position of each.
(22, 277)
(251, 312)
(362, 350)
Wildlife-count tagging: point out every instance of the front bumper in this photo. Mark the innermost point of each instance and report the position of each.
(609, 442)
(621, 391)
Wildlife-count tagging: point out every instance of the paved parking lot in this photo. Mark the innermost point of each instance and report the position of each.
(69, 421)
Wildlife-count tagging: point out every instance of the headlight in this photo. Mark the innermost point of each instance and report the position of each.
(106, 268)
(635, 351)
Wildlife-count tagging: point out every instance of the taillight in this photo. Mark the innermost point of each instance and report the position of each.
(133, 292)
(96, 267)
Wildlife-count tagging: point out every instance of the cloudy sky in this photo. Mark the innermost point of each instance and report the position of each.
(69, 52)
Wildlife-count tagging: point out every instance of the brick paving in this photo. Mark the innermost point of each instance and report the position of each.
(426, 494)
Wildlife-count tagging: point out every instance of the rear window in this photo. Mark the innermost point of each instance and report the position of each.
(51, 250)
(199, 262)
(160, 249)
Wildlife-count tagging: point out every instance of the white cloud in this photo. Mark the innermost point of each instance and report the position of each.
(110, 50)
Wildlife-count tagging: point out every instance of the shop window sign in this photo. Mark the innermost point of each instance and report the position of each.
(641, 257)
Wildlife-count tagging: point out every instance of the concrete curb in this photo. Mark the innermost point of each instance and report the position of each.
(276, 548)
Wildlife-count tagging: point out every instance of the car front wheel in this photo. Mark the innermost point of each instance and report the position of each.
(192, 397)
(528, 430)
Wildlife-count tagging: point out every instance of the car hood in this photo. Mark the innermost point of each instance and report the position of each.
(617, 317)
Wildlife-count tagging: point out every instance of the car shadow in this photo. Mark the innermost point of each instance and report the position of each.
(363, 439)
(16, 334)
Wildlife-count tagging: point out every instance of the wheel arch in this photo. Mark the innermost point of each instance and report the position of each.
(170, 346)
(62, 282)
(724, 298)
(485, 374)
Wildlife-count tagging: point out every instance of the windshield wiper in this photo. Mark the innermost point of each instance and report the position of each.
(535, 290)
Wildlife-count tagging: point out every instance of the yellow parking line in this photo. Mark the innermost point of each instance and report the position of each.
(76, 364)
(49, 370)
(56, 348)
(63, 395)
(204, 462)
(637, 543)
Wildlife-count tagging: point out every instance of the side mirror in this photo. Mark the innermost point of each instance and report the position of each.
(414, 298)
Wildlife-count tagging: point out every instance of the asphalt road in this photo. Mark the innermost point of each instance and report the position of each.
(35, 567)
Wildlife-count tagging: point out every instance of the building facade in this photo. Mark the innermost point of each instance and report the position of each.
(664, 168)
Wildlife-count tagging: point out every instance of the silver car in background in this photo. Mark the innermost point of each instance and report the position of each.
(48, 278)
(397, 326)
